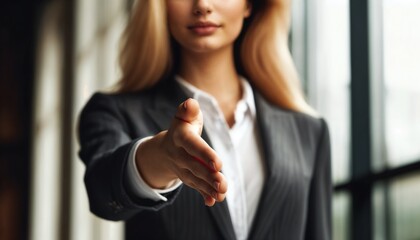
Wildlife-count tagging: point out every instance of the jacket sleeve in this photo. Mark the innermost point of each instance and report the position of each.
(318, 225)
(105, 145)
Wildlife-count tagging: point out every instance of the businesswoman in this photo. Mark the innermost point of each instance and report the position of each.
(208, 135)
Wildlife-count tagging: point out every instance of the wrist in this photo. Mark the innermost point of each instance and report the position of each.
(152, 164)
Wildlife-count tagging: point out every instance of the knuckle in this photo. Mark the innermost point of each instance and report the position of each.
(186, 137)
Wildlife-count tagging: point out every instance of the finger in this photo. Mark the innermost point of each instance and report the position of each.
(189, 112)
(195, 146)
(215, 179)
(208, 201)
(191, 180)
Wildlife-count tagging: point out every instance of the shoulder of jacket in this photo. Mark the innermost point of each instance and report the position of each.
(308, 124)
(117, 99)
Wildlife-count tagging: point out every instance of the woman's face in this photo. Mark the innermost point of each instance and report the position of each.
(206, 25)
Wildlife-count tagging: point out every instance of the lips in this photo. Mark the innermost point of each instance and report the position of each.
(204, 28)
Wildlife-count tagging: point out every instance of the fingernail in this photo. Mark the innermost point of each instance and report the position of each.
(205, 201)
(216, 185)
(185, 104)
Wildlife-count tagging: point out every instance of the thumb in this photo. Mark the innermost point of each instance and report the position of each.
(189, 112)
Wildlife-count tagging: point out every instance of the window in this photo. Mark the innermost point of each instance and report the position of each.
(360, 64)
(321, 50)
(401, 49)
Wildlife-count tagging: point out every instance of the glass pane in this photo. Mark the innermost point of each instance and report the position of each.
(405, 207)
(341, 216)
(402, 79)
(380, 211)
(329, 75)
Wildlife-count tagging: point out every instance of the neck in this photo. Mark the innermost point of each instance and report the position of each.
(213, 73)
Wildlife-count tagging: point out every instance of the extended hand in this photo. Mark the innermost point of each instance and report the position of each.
(180, 152)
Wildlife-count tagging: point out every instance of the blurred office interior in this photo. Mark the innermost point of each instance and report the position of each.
(358, 62)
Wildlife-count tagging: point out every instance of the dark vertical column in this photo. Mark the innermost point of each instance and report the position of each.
(18, 24)
(361, 212)
(67, 90)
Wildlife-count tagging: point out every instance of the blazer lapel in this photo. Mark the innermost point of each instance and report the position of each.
(221, 217)
(163, 108)
(165, 100)
(277, 129)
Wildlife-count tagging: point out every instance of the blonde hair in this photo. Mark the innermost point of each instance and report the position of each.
(262, 54)
(145, 55)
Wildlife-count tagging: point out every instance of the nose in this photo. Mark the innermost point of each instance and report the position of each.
(202, 7)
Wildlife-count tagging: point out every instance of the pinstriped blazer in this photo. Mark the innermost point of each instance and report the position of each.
(296, 197)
